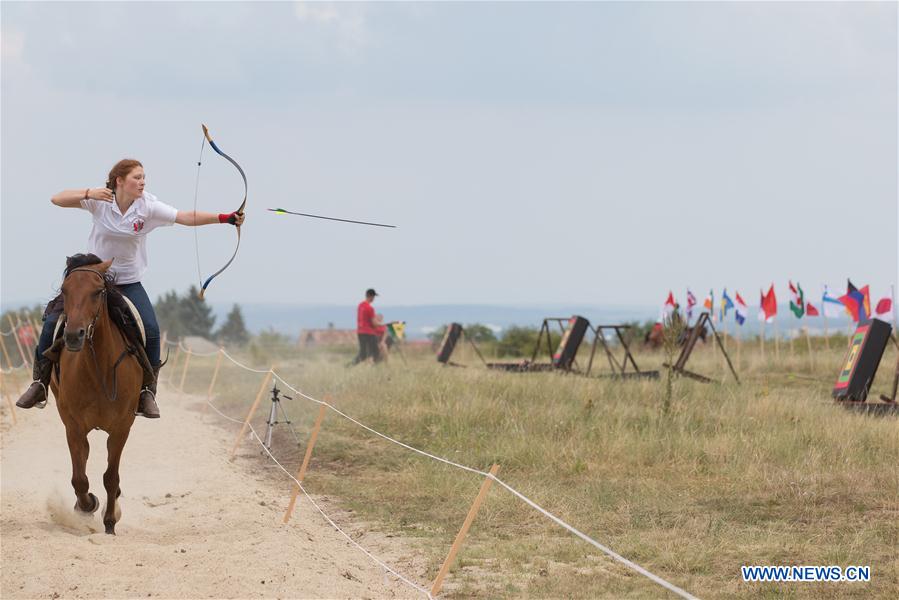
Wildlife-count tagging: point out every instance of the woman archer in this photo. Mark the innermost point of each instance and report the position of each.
(123, 214)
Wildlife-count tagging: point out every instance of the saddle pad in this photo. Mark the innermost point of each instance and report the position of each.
(60, 323)
(137, 319)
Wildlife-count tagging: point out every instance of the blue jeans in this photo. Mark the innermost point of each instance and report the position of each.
(138, 295)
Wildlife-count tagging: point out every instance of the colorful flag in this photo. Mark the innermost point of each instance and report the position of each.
(669, 307)
(709, 303)
(797, 302)
(741, 310)
(833, 308)
(769, 306)
(691, 302)
(810, 310)
(884, 310)
(397, 330)
(857, 302)
(726, 304)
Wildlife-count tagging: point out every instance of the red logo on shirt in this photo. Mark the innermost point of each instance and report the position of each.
(138, 225)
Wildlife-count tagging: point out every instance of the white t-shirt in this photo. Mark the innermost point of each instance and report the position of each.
(124, 237)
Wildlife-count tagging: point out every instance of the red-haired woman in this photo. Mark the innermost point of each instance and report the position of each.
(123, 214)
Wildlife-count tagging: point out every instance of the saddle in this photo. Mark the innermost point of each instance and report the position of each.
(123, 314)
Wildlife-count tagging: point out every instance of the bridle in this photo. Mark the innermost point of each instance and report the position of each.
(89, 335)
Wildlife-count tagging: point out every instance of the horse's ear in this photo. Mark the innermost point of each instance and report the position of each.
(104, 266)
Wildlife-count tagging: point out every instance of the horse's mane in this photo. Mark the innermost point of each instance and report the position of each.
(77, 261)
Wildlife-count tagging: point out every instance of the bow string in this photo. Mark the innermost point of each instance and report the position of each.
(243, 204)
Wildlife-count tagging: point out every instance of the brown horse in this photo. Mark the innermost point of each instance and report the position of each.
(95, 387)
(653, 337)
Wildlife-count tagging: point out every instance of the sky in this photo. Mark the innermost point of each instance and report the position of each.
(529, 153)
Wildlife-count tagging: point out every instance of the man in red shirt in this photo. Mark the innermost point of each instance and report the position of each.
(367, 329)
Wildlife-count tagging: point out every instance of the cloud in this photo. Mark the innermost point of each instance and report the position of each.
(347, 21)
(12, 47)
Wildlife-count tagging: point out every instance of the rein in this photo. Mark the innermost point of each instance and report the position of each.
(90, 341)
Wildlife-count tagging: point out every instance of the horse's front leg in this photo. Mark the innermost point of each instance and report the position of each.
(79, 448)
(114, 446)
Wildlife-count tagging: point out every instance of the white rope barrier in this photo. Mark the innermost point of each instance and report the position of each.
(243, 366)
(374, 558)
(200, 354)
(378, 433)
(608, 551)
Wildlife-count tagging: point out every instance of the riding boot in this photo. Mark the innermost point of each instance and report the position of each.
(36, 394)
(146, 406)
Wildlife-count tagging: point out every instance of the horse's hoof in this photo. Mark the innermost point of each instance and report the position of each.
(96, 505)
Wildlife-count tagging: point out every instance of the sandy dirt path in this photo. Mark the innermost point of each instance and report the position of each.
(193, 526)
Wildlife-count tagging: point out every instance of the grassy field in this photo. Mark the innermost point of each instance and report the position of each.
(767, 472)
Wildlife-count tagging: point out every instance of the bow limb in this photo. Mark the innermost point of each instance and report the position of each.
(240, 210)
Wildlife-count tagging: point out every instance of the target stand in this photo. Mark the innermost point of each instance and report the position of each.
(454, 334)
(680, 364)
(866, 348)
(563, 359)
(619, 368)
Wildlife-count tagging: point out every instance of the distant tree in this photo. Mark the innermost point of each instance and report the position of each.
(479, 334)
(196, 314)
(436, 336)
(168, 315)
(233, 330)
(476, 332)
(520, 341)
(188, 315)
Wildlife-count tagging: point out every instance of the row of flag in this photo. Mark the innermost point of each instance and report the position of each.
(856, 303)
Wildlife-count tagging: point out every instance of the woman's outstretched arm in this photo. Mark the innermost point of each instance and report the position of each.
(193, 218)
(73, 198)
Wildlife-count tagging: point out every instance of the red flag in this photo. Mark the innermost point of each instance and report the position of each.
(810, 310)
(884, 306)
(769, 304)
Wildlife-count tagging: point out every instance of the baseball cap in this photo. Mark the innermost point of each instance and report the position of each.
(371, 292)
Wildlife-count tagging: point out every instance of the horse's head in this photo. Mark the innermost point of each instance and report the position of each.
(84, 295)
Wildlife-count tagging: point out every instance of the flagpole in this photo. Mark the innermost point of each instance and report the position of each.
(808, 340)
(824, 314)
(764, 321)
(776, 340)
(895, 308)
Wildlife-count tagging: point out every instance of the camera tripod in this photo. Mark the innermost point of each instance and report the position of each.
(273, 418)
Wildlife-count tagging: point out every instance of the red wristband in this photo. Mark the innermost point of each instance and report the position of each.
(225, 217)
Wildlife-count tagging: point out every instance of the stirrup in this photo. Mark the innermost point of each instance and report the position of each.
(46, 395)
(138, 412)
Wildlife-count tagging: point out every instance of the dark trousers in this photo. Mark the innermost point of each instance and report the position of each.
(138, 296)
(368, 348)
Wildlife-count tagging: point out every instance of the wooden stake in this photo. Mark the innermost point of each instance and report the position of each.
(174, 363)
(5, 353)
(12, 408)
(253, 408)
(309, 446)
(776, 342)
(215, 374)
(457, 544)
(15, 335)
(187, 355)
(811, 354)
(37, 331)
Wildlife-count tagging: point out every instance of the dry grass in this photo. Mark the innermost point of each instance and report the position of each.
(767, 472)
